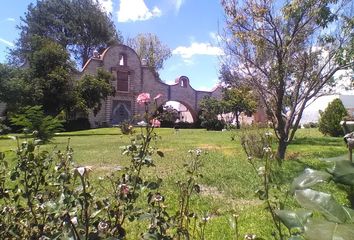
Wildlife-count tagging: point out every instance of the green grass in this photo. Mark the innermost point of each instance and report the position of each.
(228, 182)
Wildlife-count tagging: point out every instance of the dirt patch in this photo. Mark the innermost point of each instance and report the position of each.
(208, 147)
(229, 151)
(166, 149)
(218, 195)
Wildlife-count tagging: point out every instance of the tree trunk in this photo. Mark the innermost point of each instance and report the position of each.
(237, 121)
(282, 146)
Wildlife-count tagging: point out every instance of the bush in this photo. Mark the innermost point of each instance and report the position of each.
(167, 124)
(3, 128)
(254, 141)
(33, 120)
(184, 125)
(311, 125)
(77, 125)
(213, 124)
(330, 119)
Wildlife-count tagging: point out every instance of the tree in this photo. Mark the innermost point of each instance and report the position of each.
(13, 88)
(288, 52)
(329, 123)
(48, 82)
(167, 115)
(50, 73)
(238, 100)
(80, 26)
(149, 47)
(91, 90)
(210, 109)
(35, 121)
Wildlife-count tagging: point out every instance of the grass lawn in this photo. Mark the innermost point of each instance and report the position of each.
(228, 184)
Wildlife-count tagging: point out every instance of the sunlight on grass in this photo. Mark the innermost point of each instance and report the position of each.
(228, 183)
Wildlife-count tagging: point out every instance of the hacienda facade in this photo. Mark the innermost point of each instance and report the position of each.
(132, 77)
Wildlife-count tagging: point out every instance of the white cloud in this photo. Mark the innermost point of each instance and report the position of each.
(178, 4)
(10, 19)
(197, 49)
(8, 43)
(106, 5)
(215, 37)
(136, 10)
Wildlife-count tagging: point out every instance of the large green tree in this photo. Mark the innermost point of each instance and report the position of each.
(50, 75)
(288, 52)
(80, 26)
(330, 118)
(149, 47)
(92, 89)
(13, 88)
(48, 81)
(238, 100)
(45, 81)
(210, 109)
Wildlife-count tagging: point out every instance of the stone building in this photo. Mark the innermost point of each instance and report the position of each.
(132, 77)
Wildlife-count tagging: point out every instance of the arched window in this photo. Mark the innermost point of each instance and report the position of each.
(183, 82)
(122, 59)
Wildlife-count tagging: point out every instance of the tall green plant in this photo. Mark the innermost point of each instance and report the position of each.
(331, 117)
(33, 120)
(265, 166)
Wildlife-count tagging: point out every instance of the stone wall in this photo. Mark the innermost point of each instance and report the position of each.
(121, 58)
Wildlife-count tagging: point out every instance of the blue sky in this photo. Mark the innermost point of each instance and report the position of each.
(189, 27)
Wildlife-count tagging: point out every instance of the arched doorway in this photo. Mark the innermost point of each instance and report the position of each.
(121, 111)
(177, 112)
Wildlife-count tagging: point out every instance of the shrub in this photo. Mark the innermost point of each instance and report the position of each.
(254, 141)
(329, 123)
(311, 125)
(33, 120)
(184, 125)
(77, 125)
(126, 128)
(4, 129)
(213, 124)
(167, 124)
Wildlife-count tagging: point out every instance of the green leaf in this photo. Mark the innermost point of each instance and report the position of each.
(308, 179)
(350, 214)
(343, 172)
(94, 214)
(323, 203)
(294, 219)
(328, 231)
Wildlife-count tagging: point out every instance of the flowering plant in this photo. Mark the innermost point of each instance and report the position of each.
(46, 196)
(143, 98)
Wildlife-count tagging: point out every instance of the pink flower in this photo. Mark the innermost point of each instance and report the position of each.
(155, 123)
(143, 98)
(157, 96)
(124, 189)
